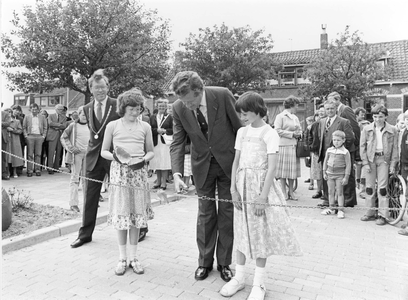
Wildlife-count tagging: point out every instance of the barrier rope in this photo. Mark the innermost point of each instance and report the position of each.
(204, 197)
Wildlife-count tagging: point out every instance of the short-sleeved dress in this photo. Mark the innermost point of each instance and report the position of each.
(129, 206)
(272, 233)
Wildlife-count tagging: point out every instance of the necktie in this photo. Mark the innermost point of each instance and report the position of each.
(99, 111)
(328, 124)
(202, 122)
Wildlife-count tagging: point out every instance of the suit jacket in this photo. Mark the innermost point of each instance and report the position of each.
(223, 124)
(347, 113)
(338, 124)
(95, 145)
(54, 126)
(28, 122)
(5, 122)
(400, 134)
(166, 123)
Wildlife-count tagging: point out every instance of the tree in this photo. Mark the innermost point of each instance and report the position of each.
(349, 66)
(236, 58)
(62, 42)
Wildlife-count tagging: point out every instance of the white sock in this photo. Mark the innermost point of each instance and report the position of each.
(240, 273)
(132, 250)
(122, 252)
(259, 276)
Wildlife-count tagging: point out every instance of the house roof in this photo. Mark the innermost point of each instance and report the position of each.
(397, 54)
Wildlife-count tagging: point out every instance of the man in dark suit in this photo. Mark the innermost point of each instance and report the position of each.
(329, 125)
(207, 115)
(57, 123)
(344, 111)
(99, 113)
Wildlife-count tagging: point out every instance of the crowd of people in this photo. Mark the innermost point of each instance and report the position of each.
(229, 151)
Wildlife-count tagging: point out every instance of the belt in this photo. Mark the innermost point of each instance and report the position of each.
(379, 153)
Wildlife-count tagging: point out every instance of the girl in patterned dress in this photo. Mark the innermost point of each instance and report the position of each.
(260, 228)
(129, 197)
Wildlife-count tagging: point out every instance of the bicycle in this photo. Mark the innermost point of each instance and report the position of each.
(396, 193)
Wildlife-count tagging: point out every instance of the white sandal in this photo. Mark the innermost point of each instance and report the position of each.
(231, 287)
(121, 267)
(136, 266)
(257, 293)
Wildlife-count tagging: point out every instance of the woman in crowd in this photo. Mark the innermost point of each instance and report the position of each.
(288, 127)
(14, 146)
(129, 197)
(162, 130)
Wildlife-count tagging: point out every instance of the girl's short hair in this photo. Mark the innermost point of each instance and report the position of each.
(379, 109)
(253, 102)
(130, 98)
(358, 110)
(340, 134)
(291, 101)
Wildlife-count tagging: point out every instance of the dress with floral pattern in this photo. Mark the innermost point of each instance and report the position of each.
(128, 207)
(272, 233)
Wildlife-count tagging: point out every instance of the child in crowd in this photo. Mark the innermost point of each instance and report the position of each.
(129, 197)
(379, 153)
(336, 171)
(261, 229)
(360, 113)
(75, 140)
(309, 121)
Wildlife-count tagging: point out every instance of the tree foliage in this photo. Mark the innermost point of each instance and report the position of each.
(349, 66)
(237, 58)
(60, 43)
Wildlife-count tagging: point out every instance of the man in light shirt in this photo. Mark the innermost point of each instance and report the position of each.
(35, 131)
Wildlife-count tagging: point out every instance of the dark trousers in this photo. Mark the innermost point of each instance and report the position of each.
(4, 164)
(54, 153)
(215, 226)
(349, 190)
(92, 191)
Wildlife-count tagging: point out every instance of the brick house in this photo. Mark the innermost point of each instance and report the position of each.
(392, 93)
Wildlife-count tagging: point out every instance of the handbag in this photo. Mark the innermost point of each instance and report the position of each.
(302, 148)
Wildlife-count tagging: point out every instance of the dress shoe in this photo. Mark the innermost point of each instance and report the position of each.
(78, 243)
(380, 221)
(231, 288)
(202, 273)
(366, 218)
(226, 273)
(38, 173)
(317, 195)
(75, 208)
(51, 172)
(5, 178)
(29, 174)
(307, 181)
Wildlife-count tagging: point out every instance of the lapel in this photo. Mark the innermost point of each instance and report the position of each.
(212, 109)
(189, 116)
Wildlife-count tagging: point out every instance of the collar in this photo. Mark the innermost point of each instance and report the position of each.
(332, 119)
(387, 127)
(102, 102)
(203, 100)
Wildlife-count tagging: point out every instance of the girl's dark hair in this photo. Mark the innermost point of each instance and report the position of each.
(130, 98)
(379, 109)
(291, 101)
(253, 102)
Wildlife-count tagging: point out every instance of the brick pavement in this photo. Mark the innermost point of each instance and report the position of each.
(343, 259)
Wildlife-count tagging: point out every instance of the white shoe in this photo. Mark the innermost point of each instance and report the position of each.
(257, 293)
(231, 287)
(340, 214)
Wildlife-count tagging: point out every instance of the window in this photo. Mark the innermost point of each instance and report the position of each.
(54, 100)
(20, 100)
(43, 101)
(292, 76)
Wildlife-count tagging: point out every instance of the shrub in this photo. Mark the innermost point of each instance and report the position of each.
(20, 199)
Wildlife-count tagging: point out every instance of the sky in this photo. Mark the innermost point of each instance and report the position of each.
(293, 24)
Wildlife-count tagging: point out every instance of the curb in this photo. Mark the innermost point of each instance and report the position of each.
(47, 233)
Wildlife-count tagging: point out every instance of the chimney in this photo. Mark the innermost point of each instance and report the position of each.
(323, 38)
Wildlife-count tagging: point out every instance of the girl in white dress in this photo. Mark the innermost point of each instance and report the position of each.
(260, 229)
(129, 197)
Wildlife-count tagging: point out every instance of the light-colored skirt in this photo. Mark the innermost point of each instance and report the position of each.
(129, 197)
(288, 163)
(161, 159)
(315, 167)
(187, 165)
